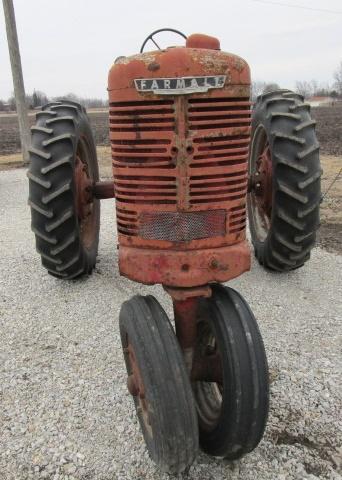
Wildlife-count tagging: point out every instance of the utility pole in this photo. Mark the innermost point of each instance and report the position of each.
(18, 81)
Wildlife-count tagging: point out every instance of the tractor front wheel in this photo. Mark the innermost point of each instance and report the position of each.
(284, 181)
(159, 384)
(232, 395)
(63, 168)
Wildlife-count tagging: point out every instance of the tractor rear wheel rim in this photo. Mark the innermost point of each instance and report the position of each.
(84, 179)
(261, 190)
(208, 395)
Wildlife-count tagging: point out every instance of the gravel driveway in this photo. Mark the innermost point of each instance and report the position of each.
(64, 409)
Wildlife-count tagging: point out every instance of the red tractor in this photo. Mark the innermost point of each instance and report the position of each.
(189, 156)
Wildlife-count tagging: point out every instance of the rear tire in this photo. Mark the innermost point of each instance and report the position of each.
(66, 238)
(283, 228)
(162, 395)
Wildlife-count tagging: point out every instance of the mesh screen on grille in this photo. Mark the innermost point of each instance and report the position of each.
(182, 226)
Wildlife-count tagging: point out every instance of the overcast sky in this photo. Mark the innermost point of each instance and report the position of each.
(69, 45)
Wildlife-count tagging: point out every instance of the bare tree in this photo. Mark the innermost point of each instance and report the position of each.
(338, 79)
(257, 89)
(314, 87)
(86, 102)
(270, 87)
(304, 88)
(69, 96)
(11, 103)
(38, 98)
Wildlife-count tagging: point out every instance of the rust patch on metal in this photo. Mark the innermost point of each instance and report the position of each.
(103, 190)
(179, 294)
(181, 269)
(153, 67)
(84, 196)
(136, 387)
(180, 154)
(83, 188)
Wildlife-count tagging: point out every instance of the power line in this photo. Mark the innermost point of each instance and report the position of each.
(281, 4)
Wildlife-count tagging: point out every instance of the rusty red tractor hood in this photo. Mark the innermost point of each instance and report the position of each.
(179, 132)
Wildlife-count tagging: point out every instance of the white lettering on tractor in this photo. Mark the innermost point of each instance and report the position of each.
(179, 85)
(154, 85)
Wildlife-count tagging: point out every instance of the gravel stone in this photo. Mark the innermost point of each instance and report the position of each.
(65, 412)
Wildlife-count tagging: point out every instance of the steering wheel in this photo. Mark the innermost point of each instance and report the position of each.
(150, 37)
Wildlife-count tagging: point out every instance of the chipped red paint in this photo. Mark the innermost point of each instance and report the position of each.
(184, 268)
(186, 312)
(180, 167)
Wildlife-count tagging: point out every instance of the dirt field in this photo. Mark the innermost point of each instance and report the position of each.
(329, 129)
(330, 233)
(9, 130)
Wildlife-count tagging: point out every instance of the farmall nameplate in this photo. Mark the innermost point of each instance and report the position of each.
(180, 85)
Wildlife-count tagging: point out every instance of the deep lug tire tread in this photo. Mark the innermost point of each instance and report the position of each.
(296, 180)
(52, 189)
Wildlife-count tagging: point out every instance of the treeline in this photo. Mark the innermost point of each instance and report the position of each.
(38, 98)
(306, 88)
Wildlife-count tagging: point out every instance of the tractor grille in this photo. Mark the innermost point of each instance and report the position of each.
(148, 139)
(182, 226)
(133, 126)
(143, 116)
(140, 159)
(218, 113)
(126, 221)
(237, 219)
(221, 141)
(145, 190)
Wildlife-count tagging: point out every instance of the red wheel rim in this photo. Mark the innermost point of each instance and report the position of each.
(260, 184)
(136, 387)
(84, 180)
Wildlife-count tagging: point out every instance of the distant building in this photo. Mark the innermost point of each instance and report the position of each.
(5, 107)
(321, 101)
